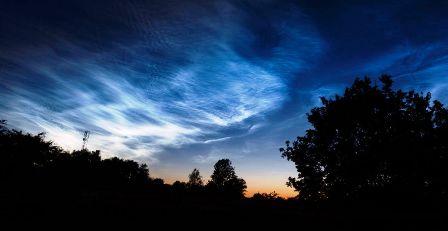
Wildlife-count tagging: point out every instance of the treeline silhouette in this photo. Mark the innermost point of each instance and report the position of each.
(372, 151)
(30, 162)
(40, 177)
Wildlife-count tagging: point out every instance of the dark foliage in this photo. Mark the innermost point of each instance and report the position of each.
(39, 178)
(224, 180)
(195, 179)
(373, 143)
(29, 162)
(272, 196)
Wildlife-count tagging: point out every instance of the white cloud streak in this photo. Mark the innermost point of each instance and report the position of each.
(138, 105)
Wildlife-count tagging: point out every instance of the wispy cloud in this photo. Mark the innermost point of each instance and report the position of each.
(214, 155)
(217, 140)
(173, 82)
(421, 68)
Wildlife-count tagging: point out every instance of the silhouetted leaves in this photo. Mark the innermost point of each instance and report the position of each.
(30, 161)
(37, 172)
(225, 181)
(195, 179)
(373, 142)
(272, 196)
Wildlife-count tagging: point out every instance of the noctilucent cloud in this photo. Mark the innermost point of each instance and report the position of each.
(181, 84)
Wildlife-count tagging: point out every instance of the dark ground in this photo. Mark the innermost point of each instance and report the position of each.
(137, 209)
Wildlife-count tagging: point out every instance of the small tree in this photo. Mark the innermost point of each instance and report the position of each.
(224, 180)
(195, 179)
(179, 187)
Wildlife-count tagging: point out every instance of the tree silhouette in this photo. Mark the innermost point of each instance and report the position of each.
(195, 179)
(225, 181)
(179, 187)
(372, 142)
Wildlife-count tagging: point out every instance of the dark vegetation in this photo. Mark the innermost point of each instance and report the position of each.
(373, 152)
(38, 176)
(373, 143)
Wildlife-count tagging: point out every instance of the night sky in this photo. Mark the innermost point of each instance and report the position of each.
(181, 84)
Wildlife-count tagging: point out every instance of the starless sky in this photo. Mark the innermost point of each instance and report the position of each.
(181, 84)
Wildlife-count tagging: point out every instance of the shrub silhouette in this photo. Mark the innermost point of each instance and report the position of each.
(272, 196)
(373, 143)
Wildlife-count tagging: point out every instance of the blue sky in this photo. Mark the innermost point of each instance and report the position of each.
(181, 84)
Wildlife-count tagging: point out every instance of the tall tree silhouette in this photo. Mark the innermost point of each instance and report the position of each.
(224, 180)
(372, 142)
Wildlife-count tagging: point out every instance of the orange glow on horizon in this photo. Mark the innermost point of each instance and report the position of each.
(265, 182)
(281, 190)
(285, 192)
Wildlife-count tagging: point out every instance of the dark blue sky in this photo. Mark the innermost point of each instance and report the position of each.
(181, 84)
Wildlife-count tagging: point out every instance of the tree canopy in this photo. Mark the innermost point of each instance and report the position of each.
(28, 160)
(373, 141)
(195, 179)
(224, 179)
